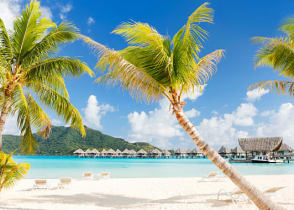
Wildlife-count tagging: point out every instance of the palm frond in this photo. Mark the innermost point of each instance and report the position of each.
(28, 29)
(65, 32)
(188, 40)
(136, 80)
(5, 43)
(11, 172)
(288, 28)
(57, 66)
(283, 87)
(60, 104)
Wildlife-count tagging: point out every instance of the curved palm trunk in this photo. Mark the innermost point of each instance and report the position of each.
(260, 200)
(3, 117)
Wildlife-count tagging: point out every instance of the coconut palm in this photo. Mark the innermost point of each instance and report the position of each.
(11, 172)
(155, 66)
(278, 53)
(30, 75)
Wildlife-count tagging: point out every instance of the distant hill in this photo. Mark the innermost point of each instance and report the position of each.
(65, 140)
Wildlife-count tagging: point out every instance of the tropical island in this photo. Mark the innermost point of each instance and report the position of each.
(45, 79)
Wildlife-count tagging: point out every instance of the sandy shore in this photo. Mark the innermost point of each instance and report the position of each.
(149, 193)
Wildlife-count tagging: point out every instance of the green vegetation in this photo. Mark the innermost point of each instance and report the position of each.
(154, 66)
(30, 75)
(11, 172)
(278, 53)
(65, 140)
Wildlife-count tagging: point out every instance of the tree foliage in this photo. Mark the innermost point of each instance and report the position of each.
(278, 53)
(30, 75)
(10, 171)
(154, 65)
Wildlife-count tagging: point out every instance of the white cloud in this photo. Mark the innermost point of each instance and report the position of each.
(192, 113)
(94, 112)
(159, 126)
(244, 114)
(9, 9)
(194, 94)
(279, 123)
(46, 12)
(256, 94)
(90, 21)
(11, 126)
(56, 122)
(64, 9)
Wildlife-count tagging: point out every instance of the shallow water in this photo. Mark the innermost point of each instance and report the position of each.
(58, 166)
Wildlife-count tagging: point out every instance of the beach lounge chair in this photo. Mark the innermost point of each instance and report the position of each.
(64, 183)
(88, 175)
(238, 195)
(212, 177)
(103, 175)
(40, 184)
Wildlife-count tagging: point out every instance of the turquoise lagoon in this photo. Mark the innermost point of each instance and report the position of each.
(60, 166)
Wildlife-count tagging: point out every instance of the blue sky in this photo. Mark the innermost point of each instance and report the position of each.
(222, 113)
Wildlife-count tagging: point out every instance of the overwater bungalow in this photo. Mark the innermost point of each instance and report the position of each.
(261, 149)
(237, 152)
(189, 153)
(79, 153)
(179, 153)
(132, 153)
(125, 153)
(141, 153)
(88, 153)
(285, 152)
(103, 153)
(224, 152)
(155, 153)
(111, 153)
(95, 152)
(196, 153)
(118, 153)
(166, 153)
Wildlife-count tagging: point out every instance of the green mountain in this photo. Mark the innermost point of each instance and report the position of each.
(65, 140)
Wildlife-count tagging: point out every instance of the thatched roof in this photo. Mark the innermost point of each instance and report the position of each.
(103, 152)
(165, 152)
(126, 151)
(79, 151)
(179, 151)
(88, 151)
(224, 150)
(132, 152)
(95, 151)
(188, 151)
(196, 151)
(110, 151)
(237, 150)
(267, 144)
(156, 151)
(117, 151)
(285, 147)
(141, 151)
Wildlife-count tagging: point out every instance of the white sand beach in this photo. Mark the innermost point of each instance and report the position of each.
(143, 193)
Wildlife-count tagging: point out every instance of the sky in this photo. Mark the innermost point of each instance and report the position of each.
(224, 111)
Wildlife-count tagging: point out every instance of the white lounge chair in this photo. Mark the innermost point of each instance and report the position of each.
(88, 175)
(64, 182)
(212, 177)
(40, 184)
(103, 175)
(238, 196)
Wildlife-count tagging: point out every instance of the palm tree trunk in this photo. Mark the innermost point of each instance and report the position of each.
(259, 199)
(3, 117)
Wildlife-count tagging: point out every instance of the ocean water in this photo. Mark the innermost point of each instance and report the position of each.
(57, 166)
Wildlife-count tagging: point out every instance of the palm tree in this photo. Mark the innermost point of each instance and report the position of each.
(154, 66)
(10, 172)
(278, 53)
(28, 70)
